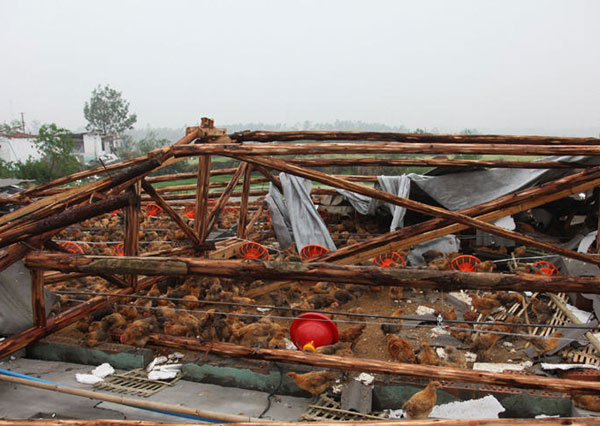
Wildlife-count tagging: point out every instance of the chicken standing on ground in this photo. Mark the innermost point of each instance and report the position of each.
(399, 349)
(428, 356)
(547, 344)
(352, 334)
(315, 382)
(419, 405)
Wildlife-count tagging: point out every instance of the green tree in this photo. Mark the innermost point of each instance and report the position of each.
(15, 126)
(56, 148)
(107, 112)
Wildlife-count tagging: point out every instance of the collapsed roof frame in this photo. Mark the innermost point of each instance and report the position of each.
(32, 226)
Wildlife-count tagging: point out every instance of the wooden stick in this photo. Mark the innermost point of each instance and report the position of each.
(381, 367)
(201, 220)
(252, 149)
(435, 162)
(254, 219)
(189, 175)
(132, 229)
(262, 136)
(38, 302)
(314, 271)
(189, 232)
(132, 402)
(241, 230)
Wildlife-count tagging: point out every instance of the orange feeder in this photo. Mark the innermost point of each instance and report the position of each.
(544, 267)
(311, 330)
(465, 263)
(190, 212)
(119, 250)
(115, 212)
(252, 250)
(153, 210)
(312, 250)
(230, 210)
(72, 247)
(387, 259)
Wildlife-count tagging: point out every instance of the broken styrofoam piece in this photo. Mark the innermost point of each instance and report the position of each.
(396, 414)
(88, 379)
(165, 368)
(103, 370)
(438, 331)
(470, 356)
(156, 361)
(583, 316)
(545, 416)
(289, 345)
(424, 310)
(175, 356)
(365, 378)
(498, 367)
(162, 374)
(548, 366)
(441, 353)
(487, 407)
(263, 309)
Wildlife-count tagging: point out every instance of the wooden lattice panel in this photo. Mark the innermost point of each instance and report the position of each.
(327, 408)
(135, 382)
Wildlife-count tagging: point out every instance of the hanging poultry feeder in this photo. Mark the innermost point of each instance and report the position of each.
(230, 211)
(115, 212)
(465, 263)
(72, 247)
(252, 250)
(119, 250)
(387, 259)
(544, 267)
(312, 250)
(153, 210)
(311, 330)
(190, 212)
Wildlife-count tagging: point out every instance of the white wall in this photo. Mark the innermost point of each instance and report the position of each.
(17, 149)
(92, 147)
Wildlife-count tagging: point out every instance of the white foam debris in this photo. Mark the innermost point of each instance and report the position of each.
(528, 293)
(88, 379)
(175, 356)
(438, 331)
(545, 416)
(498, 367)
(156, 361)
(289, 345)
(441, 353)
(547, 366)
(487, 407)
(165, 368)
(365, 378)
(583, 316)
(508, 344)
(161, 375)
(396, 414)
(103, 370)
(424, 310)
(470, 356)
(263, 309)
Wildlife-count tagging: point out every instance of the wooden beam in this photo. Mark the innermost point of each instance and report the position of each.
(241, 230)
(216, 210)
(38, 303)
(201, 220)
(257, 214)
(381, 367)
(271, 177)
(262, 136)
(254, 149)
(313, 271)
(132, 229)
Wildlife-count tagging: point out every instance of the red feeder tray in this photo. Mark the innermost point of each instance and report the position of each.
(115, 212)
(230, 210)
(72, 247)
(190, 212)
(252, 250)
(119, 250)
(544, 267)
(385, 260)
(153, 210)
(311, 330)
(312, 250)
(465, 263)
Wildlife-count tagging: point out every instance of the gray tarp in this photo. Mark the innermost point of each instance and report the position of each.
(297, 209)
(15, 299)
(397, 185)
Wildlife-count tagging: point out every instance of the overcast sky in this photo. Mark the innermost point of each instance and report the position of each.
(519, 66)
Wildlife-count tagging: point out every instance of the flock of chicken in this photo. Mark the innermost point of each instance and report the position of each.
(182, 307)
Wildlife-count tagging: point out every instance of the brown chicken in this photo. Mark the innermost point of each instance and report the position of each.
(485, 305)
(315, 382)
(397, 326)
(520, 251)
(470, 315)
(440, 264)
(487, 266)
(461, 332)
(419, 405)
(138, 332)
(399, 349)
(428, 356)
(352, 334)
(548, 344)
(587, 402)
(543, 312)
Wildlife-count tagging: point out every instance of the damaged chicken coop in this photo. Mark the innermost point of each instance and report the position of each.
(389, 263)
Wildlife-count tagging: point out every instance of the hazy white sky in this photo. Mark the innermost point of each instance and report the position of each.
(493, 65)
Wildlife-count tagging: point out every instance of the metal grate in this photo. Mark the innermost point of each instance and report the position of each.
(135, 382)
(327, 408)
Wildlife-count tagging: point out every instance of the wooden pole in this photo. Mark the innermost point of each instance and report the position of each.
(132, 402)
(259, 211)
(132, 229)
(241, 230)
(313, 271)
(262, 136)
(381, 367)
(38, 303)
(201, 220)
(214, 213)
(252, 149)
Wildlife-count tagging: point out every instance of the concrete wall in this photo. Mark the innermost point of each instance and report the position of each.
(17, 149)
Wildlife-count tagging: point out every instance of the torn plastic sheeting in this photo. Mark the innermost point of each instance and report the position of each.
(445, 244)
(277, 212)
(307, 225)
(396, 185)
(456, 191)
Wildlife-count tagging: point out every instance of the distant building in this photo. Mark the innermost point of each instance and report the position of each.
(18, 147)
(92, 146)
